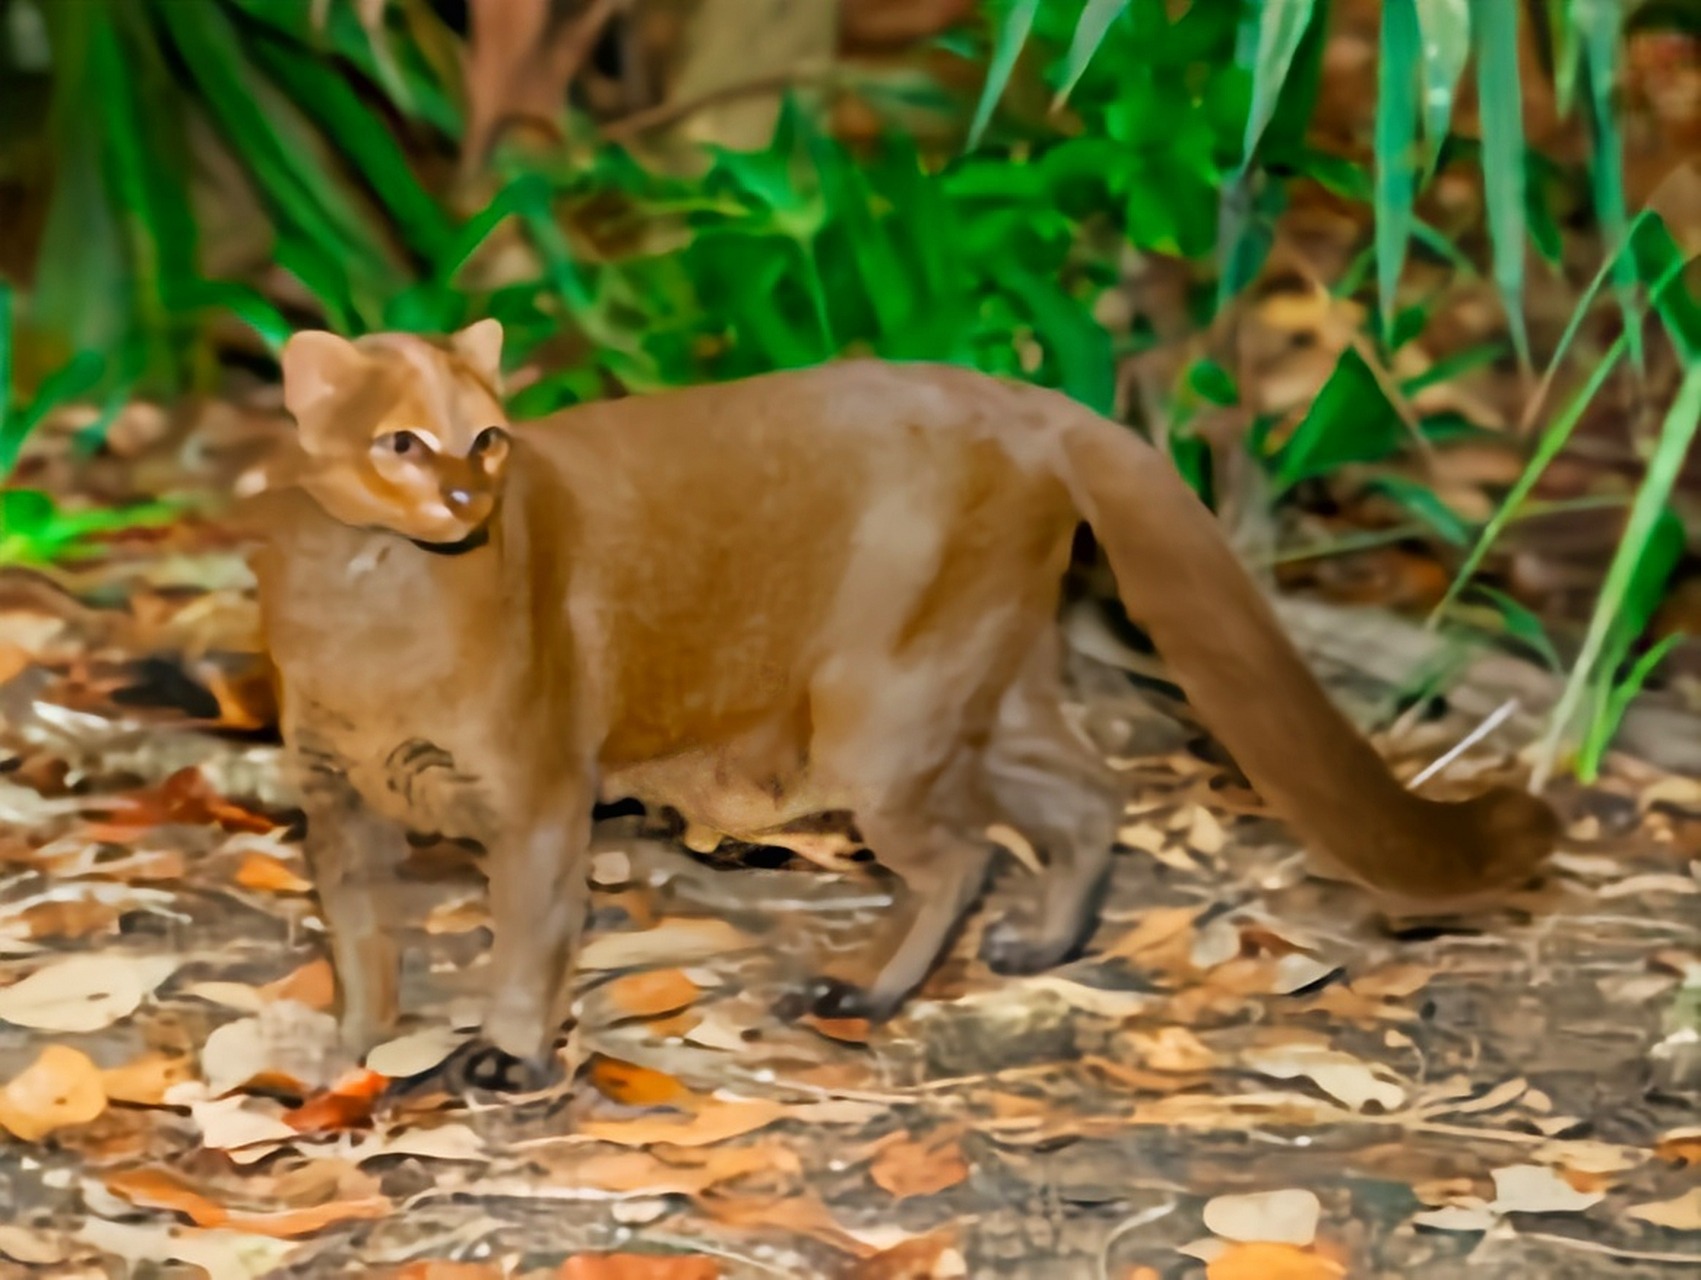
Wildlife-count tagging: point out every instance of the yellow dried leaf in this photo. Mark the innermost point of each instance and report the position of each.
(62, 1087)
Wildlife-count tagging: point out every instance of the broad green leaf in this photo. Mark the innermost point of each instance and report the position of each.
(1446, 29)
(1213, 382)
(1396, 148)
(1677, 434)
(1349, 421)
(1090, 31)
(1012, 35)
(1495, 29)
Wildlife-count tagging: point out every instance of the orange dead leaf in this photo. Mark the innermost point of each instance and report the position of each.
(649, 995)
(345, 1105)
(162, 1189)
(847, 1030)
(62, 1087)
(910, 1168)
(715, 1123)
(303, 1222)
(636, 1086)
(916, 1259)
(1262, 1261)
(687, 1173)
(314, 985)
(12, 660)
(639, 1266)
(71, 919)
(266, 874)
(1681, 1146)
(143, 1081)
(185, 797)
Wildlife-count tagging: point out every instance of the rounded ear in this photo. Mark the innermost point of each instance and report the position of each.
(318, 367)
(480, 345)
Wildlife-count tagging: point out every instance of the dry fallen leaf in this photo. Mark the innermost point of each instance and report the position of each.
(223, 1255)
(62, 1087)
(346, 1105)
(142, 1082)
(416, 1053)
(83, 993)
(1680, 1214)
(266, 874)
(635, 1086)
(1340, 1075)
(1275, 1217)
(161, 1189)
(647, 995)
(1535, 1188)
(285, 1038)
(314, 984)
(639, 1266)
(713, 1124)
(1265, 1261)
(676, 941)
(910, 1168)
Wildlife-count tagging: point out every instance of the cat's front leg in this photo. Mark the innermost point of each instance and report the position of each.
(353, 853)
(539, 892)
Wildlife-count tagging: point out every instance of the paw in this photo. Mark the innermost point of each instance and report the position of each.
(487, 1067)
(1011, 950)
(833, 998)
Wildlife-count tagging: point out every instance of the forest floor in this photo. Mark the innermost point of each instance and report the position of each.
(1248, 1077)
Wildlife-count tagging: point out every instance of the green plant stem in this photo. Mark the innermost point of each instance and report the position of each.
(1676, 436)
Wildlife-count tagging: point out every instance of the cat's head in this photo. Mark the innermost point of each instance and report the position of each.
(398, 432)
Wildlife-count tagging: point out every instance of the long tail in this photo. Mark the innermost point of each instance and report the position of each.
(1181, 581)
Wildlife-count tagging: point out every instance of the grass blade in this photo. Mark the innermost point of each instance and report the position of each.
(1012, 35)
(1676, 435)
(1495, 29)
(1281, 27)
(1603, 728)
(1599, 23)
(1446, 28)
(1089, 35)
(1396, 148)
(7, 456)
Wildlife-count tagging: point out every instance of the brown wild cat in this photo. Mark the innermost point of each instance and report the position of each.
(829, 589)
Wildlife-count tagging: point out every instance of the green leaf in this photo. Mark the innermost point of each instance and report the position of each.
(1090, 31)
(1212, 382)
(1423, 503)
(1396, 148)
(1349, 421)
(1599, 23)
(1523, 626)
(1647, 510)
(1446, 31)
(7, 454)
(1604, 725)
(1495, 27)
(1281, 27)
(1012, 35)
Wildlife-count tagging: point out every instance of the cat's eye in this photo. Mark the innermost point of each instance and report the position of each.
(488, 439)
(404, 442)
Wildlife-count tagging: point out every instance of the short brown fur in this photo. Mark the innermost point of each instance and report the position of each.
(832, 589)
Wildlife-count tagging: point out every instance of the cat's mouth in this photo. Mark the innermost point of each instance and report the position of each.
(460, 546)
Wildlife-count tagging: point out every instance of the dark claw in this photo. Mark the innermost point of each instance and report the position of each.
(487, 1067)
(831, 998)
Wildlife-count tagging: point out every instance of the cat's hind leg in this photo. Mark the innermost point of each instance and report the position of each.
(1052, 787)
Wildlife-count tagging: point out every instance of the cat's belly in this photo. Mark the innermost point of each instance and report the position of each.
(715, 792)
